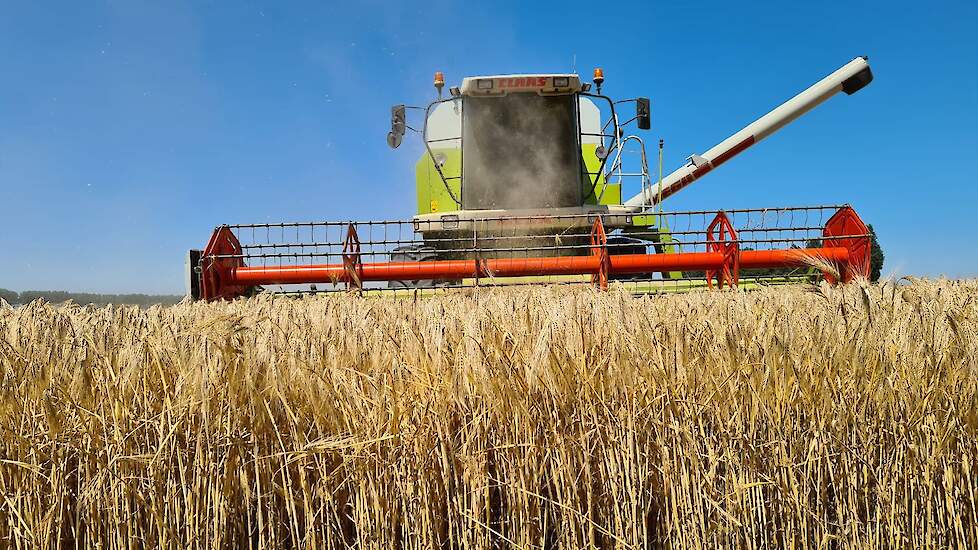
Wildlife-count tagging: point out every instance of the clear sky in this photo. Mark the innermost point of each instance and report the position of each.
(128, 130)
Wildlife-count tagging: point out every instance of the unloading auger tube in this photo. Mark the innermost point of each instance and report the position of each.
(719, 247)
(850, 78)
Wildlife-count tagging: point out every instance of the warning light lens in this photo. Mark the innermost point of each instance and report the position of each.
(598, 74)
(561, 82)
(484, 84)
(439, 78)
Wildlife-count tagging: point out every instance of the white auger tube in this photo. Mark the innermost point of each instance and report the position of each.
(851, 78)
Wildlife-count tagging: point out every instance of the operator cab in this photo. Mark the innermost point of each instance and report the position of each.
(508, 144)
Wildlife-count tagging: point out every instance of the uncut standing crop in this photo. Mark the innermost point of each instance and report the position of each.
(546, 417)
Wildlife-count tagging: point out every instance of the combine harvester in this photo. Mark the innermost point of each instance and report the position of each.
(521, 182)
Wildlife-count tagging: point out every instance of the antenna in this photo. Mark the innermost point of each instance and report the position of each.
(574, 64)
(658, 201)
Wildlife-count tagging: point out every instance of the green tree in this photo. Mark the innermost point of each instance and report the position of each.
(876, 257)
(9, 296)
(82, 298)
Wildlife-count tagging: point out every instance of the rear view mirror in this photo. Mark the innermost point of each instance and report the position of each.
(398, 124)
(643, 113)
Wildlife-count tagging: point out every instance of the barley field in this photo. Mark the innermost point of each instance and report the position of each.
(806, 417)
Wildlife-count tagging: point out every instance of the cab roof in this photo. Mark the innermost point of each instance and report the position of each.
(542, 84)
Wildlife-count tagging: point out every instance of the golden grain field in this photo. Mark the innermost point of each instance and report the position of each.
(813, 417)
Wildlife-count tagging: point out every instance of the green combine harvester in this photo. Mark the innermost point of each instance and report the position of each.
(522, 180)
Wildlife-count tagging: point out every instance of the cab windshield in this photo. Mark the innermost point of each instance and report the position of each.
(520, 151)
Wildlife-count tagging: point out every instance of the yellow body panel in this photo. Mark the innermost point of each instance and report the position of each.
(433, 196)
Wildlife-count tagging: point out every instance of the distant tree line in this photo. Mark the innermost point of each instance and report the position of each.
(84, 298)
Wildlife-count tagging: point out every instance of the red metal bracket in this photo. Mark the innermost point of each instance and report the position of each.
(599, 248)
(216, 272)
(722, 237)
(845, 223)
(352, 264)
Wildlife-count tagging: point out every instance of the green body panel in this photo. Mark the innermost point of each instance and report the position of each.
(434, 197)
(432, 194)
(608, 193)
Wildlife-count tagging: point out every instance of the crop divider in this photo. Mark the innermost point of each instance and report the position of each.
(352, 263)
(599, 248)
(722, 237)
(846, 230)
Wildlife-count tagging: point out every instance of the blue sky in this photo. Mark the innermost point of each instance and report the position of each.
(128, 130)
